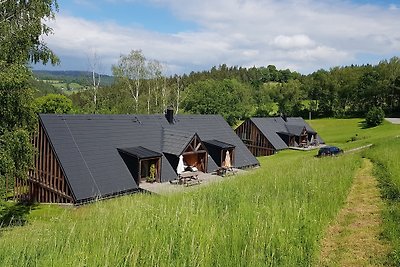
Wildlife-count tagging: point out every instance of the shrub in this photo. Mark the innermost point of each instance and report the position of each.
(374, 117)
(152, 175)
(54, 103)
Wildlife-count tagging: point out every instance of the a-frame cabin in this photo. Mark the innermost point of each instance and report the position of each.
(46, 180)
(81, 158)
(266, 136)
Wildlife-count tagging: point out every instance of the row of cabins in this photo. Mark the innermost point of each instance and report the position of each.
(86, 157)
(266, 136)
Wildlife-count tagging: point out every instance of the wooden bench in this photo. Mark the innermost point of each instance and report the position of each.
(224, 171)
(189, 178)
(192, 182)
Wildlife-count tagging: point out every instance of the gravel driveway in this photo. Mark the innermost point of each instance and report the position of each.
(393, 120)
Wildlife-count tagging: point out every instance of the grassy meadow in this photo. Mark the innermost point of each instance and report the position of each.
(272, 216)
(67, 87)
(351, 133)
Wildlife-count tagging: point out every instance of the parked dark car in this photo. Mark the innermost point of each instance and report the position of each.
(329, 151)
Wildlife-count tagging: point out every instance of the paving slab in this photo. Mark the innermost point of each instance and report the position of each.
(393, 120)
(168, 188)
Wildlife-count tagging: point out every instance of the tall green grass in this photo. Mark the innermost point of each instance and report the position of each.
(386, 158)
(273, 216)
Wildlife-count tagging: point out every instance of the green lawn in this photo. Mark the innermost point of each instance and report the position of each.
(72, 86)
(272, 216)
(350, 133)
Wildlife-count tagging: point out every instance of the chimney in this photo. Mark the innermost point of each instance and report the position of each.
(169, 115)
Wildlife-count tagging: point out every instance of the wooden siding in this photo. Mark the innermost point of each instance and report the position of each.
(195, 154)
(303, 138)
(46, 181)
(255, 141)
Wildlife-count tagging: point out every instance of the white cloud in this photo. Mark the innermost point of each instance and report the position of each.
(294, 41)
(304, 34)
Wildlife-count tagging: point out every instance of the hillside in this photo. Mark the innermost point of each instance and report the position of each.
(82, 78)
(272, 216)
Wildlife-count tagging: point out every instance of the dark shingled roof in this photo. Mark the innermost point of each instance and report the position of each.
(87, 147)
(219, 144)
(294, 129)
(270, 127)
(300, 121)
(174, 142)
(140, 152)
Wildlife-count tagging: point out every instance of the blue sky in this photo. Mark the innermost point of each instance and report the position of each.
(129, 14)
(186, 35)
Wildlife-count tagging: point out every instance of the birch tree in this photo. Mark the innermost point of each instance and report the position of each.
(151, 70)
(131, 72)
(155, 71)
(95, 64)
(22, 25)
(164, 95)
(178, 92)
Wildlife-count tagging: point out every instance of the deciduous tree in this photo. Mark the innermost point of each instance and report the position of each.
(131, 71)
(21, 26)
(22, 23)
(229, 98)
(53, 103)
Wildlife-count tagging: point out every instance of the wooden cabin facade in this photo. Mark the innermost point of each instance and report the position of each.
(295, 139)
(218, 151)
(254, 139)
(143, 164)
(266, 136)
(46, 180)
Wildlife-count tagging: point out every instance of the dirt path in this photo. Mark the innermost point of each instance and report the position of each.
(358, 148)
(353, 238)
(393, 120)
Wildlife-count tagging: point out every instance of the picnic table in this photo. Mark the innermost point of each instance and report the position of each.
(189, 178)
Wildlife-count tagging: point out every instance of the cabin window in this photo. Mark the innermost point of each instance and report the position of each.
(143, 164)
(149, 170)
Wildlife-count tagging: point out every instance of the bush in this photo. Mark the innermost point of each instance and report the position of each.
(374, 117)
(54, 103)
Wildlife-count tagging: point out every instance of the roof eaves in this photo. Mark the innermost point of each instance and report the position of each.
(143, 154)
(220, 144)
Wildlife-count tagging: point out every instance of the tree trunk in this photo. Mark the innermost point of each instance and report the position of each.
(137, 96)
(164, 95)
(148, 99)
(178, 94)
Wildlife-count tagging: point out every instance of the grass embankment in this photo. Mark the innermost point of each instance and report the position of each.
(386, 158)
(273, 216)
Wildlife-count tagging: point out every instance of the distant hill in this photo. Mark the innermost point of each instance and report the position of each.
(83, 78)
